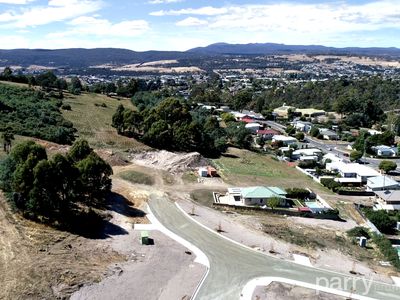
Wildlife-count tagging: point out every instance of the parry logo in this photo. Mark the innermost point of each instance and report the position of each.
(352, 285)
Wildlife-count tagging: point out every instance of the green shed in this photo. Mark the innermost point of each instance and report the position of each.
(144, 237)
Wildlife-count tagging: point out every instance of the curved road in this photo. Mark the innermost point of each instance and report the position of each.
(232, 266)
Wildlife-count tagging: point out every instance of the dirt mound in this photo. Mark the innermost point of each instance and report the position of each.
(169, 161)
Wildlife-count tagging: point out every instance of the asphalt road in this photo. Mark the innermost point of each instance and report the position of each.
(232, 266)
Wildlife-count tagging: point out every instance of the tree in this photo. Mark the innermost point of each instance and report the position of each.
(7, 137)
(290, 130)
(242, 98)
(299, 136)
(7, 73)
(118, 119)
(273, 202)
(95, 178)
(381, 220)
(79, 150)
(239, 135)
(314, 132)
(387, 166)
(355, 155)
(228, 117)
(75, 86)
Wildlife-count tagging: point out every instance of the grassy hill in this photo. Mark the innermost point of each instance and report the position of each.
(91, 115)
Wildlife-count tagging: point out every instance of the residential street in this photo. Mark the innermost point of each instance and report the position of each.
(232, 266)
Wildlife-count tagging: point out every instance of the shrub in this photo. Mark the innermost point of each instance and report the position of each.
(66, 107)
(307, 164)
(387, 250)
(359, 231)
(330, 183)
(298, 193)
(381, 220)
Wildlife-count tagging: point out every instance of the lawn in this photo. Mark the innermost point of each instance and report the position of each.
(245, 168)
(92, 114)
(136, 177)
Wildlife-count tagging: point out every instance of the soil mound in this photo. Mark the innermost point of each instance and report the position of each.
(169, 161)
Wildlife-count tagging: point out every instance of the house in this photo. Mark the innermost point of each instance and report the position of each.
(332, 157)
(387, 200)
(247, 119)
(381, 183)
(286, 140)
(302, 126)
(328, 134)
(386, 151)
(253, 114)
(307, 154)
(267, 134)
(250, 196)
(253, 127)
(352, 172)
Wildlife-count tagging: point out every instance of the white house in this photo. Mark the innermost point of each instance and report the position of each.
(383, 150)
(309, 152)
(387, 200)
(253, 127)
(250, 196)
(286, 140)
(381, 183)
(302, 126)
(332, 157)
(352, 172)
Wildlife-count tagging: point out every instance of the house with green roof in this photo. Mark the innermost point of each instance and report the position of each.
(255, 195)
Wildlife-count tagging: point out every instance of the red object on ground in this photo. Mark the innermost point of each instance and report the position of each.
(304, 209)
(211, 171)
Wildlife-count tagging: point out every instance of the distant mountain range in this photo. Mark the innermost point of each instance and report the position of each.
(274, 49)
(82, 58)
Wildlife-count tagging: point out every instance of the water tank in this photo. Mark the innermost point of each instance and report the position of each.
(363, 242)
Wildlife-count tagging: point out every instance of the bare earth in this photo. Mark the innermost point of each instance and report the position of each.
(283, 291)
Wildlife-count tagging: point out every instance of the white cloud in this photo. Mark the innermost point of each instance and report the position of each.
(164, 1)
(203, 11)
(295, 17)
(191, 21)
(55, 11)
(102, 27)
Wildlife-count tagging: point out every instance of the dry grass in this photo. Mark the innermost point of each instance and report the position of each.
(38, 262)
(94, 121)
(243, 168)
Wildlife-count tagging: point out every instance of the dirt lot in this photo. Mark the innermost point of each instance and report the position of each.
(283, 291)
(38, 262)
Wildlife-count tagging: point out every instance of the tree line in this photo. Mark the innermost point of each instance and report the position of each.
(173, 125)
(57, 189)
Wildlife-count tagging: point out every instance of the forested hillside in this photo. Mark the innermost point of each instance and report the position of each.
(343, 95)
(33, 113)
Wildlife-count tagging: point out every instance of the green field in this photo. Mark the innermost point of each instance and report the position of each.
(93, 121)
(137, 177)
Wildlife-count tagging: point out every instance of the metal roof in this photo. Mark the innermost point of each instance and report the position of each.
(381, 181)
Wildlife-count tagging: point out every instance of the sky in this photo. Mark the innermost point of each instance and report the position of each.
(184, 24)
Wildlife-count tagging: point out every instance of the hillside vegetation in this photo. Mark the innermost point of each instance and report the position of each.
(92, 114)
(33, 113)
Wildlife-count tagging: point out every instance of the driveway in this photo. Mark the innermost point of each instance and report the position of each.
(232, 265)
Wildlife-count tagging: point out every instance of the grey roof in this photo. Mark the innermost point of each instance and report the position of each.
(381, 181)
(392, 195)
